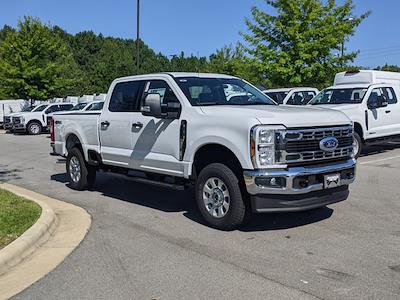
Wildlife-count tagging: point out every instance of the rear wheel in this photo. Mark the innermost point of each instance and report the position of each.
(34, 128)
(80, 175)
(219, 197)
(357, 145)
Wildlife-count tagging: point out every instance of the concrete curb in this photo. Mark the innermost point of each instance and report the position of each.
(63, 236)
(31, 239)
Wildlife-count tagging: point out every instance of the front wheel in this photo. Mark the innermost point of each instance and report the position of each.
(80, 175)
(219, 197)
(34, 128)
(357, 145)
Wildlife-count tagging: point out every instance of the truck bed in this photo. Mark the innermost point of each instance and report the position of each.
(84, 123)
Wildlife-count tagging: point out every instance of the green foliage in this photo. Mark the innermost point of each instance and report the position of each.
(16, 216)
(299, 44)
(36, 63)
(389, 68)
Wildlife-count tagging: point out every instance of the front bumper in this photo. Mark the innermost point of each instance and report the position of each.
(19, 127)
(298, 188)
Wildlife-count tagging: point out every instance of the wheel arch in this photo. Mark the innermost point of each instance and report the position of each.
(215, 153)
(358, 128)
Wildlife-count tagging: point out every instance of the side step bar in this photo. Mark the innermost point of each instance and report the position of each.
(172, 186)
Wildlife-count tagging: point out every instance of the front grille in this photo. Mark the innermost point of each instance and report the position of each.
(16, 120)
(303, 145)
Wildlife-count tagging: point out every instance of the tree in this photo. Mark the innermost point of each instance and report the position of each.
(300, 43)
(36, 63)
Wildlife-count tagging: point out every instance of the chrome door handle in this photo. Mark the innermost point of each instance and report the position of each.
(104, 125)
(137, 125)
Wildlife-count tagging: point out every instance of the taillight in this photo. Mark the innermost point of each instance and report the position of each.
(52, 138)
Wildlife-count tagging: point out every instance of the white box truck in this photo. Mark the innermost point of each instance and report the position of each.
(371, 99)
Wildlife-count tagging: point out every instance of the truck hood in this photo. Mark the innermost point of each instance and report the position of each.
(289, 116)
(29, 113)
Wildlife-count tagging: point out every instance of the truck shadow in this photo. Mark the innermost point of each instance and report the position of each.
(378, 149)
(7, 174)
(121, 188)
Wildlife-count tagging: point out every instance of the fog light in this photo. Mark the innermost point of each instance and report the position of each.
(271, 182)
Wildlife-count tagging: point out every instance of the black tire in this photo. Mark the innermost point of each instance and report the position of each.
(87, 176)
(358, 140)
(34, 128)
(235, 214)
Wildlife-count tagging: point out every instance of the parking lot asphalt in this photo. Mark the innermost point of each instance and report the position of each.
(150, 243)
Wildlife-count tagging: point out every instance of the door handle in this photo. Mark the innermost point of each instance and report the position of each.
(387, 111)
(104, 125)
(137, 125)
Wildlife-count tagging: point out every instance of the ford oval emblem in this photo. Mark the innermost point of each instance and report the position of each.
(329, 144)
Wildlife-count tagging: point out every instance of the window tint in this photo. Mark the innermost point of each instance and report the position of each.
(52, 109)
(96, 106)
(387, 92)
(163, 89)
(65, 106)
(390, 95)
(308, 96)
(339, 96)
(124, 97)
(296, 99)
(278, 97)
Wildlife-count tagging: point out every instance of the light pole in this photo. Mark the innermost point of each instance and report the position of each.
(137, 37)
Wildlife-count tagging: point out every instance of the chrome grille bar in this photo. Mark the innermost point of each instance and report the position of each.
(301, 145)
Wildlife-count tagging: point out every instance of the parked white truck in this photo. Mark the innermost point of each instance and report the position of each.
(242, 154)
(292, 96)
(35, 121)
(371, 99)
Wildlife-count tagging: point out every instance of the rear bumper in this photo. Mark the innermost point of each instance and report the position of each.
(297, 188)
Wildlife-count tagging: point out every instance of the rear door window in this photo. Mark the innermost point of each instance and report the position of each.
(390, 95)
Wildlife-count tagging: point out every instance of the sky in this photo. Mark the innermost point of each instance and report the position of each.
(199, 27)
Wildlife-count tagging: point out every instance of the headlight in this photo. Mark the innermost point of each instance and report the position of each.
(22, 119)
(262, 145)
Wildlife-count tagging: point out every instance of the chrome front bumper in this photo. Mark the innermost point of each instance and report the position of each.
(292, 176)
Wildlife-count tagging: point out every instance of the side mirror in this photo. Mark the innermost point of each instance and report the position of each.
(152, 106)
(380, 101)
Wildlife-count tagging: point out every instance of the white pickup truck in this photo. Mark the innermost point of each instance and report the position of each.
(35, 121)
(243, 154)
(371, 99)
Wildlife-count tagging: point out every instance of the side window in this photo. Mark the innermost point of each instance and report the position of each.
(296, 99)
(124, 97)
(390, 95)
(66, 106)
(52, 109)
(162, 88)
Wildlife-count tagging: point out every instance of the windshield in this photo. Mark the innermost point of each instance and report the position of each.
(27, 109)
(79, 106)
(339, 96)
(96, 106)
(221, 91)
(40, 107)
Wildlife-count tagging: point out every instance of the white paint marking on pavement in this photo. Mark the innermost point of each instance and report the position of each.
(378, 160)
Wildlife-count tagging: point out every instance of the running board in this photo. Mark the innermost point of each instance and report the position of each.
(172, 186)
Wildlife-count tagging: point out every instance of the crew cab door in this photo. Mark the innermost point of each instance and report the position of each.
(156, 141)
(383, 121)
(115, 123)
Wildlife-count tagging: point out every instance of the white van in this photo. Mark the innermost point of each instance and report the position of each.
(292, 96)
(371, 99)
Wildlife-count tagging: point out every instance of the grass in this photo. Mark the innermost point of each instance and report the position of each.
(16, 216)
